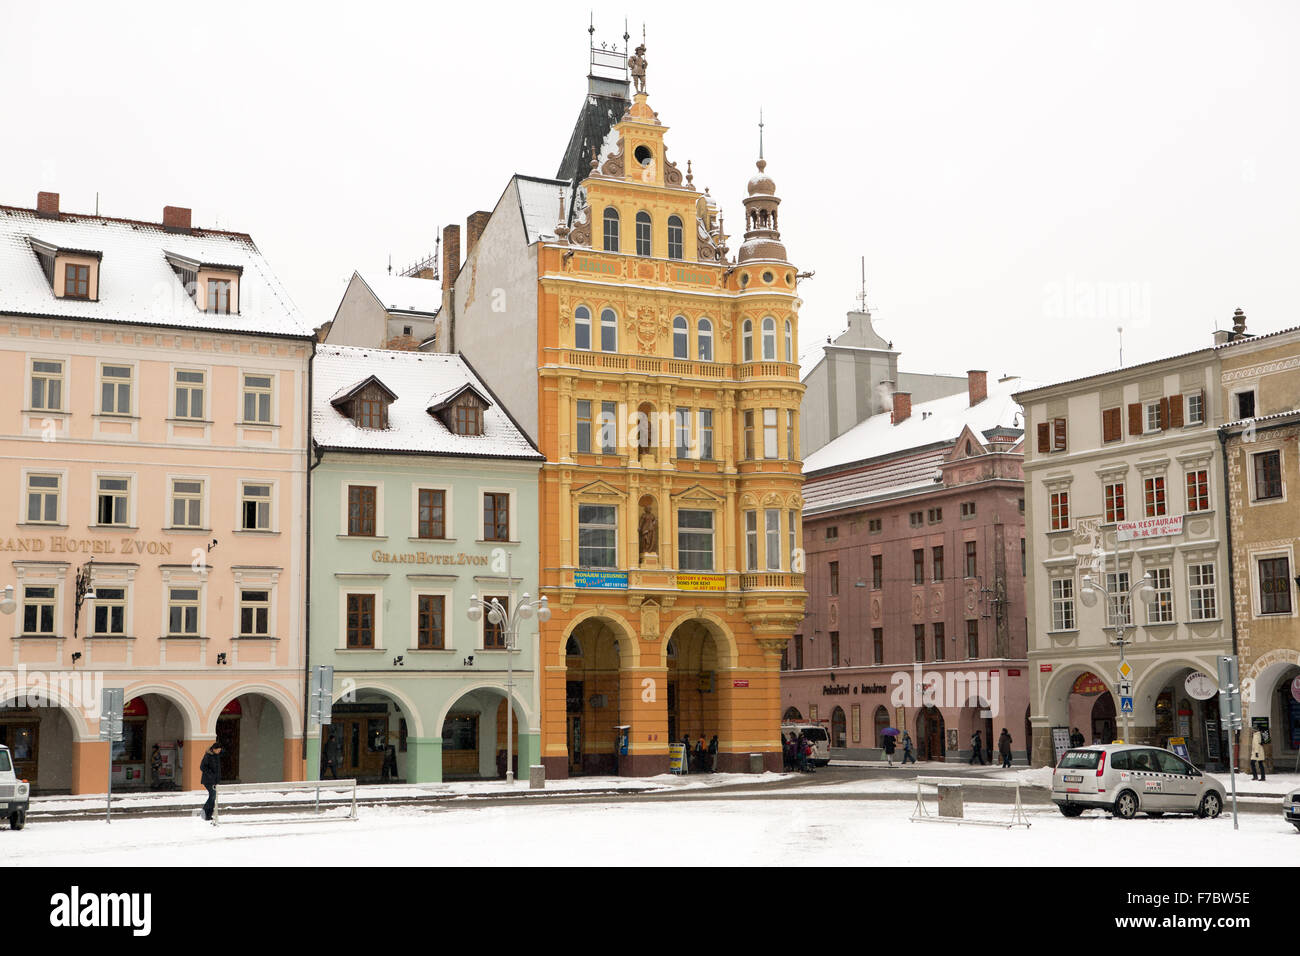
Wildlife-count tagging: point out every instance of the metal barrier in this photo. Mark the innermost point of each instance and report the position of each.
(287, 786)
(922, 813)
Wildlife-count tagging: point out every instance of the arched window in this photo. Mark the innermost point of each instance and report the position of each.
(608, 331)
(789, 341)
(838, 728)
(582, 327)
(611, 229)
(769, 339)
(681, 345)
(643, 233)
(674, 238)
(747, 340)
(704, 336)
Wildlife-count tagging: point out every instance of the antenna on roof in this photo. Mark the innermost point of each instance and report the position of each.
(862, 296)
(390, 263)
(591, 25)
(760, 132)
(96, 202)
(437, 254)
(1120, 330)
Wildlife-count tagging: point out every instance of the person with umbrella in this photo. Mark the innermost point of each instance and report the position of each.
(889, 743)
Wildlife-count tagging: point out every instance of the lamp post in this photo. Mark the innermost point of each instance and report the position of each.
(1115, 603)
(85, 593)
(508, 620)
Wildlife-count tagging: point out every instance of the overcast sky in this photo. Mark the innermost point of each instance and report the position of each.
(1021, 178)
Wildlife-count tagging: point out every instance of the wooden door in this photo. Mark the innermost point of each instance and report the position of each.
(460, 746)
(228, 737)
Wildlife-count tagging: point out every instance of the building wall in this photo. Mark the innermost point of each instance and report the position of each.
(147, 555)
(360, 320)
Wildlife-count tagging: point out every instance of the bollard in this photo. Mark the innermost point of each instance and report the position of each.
(536, 777)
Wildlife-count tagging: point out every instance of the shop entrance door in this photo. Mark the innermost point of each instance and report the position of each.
(228, 737)
(21, 739)
(362, 740)
(931, 734)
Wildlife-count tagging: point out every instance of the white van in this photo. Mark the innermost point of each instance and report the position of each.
(817, 734)
(14, 793)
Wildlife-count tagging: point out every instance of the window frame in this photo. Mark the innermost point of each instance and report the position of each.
(768, 338)
(44, 495)
(49, 382)
(644, 226)
(712, 534)
(610, 527)
(45, 607)
(436, 522)
(1198, 587)
(676, 246)
(610, 226)
(1160, 610)
(1197, 484)
(608, 323)
(117, 383)
(1061, 599)
(704, 340)
(256, 606)
(245, 498)
(191, 390)
(681, 338)
(183, 604)
(582, 320)
(496, 495)
(257, 392)
(175, 496)
(124, 495)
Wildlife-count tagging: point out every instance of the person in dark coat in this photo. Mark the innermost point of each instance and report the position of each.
(909, 752)
(155, 766)
(1076, 738)
(713, 754)
(976, 748)
(210, 776)
(1004, 747)
(803, 749)
(686, 753)
(331, 762)
(389, 770)
(889, 744)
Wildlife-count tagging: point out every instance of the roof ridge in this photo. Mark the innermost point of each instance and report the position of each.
(92, 217)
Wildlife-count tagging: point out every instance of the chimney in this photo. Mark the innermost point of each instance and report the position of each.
(474, 228)
(176, 219)
(47, 205)
(1238, 317)
(450, 255)
(977, 385)
(902, 408)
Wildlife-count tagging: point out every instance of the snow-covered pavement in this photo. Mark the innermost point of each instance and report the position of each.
(753, 831)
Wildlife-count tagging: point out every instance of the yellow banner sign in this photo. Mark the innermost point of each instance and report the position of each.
(701, 582)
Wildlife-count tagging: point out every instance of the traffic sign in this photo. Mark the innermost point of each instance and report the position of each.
(1126, 705)
(1125, 688)
(1125, 670)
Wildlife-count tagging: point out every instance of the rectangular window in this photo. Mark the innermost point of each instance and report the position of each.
(255, 508)
(1245, 404)
(597, 536)
(875, 525)
(915, 519)
(494, 633)
(1274, 585)
(972, 639)
(967, 509)
(496, 516)
(219, 296)
(834, 569)
(187, 503)
(183, 612)
(642, 235)
(430, 621)
(695, 540)
(1196, 408)
(918, 642)
(254, 613)
(934, 515)
(749, 434)
(706, 434)
(1202, 592)
(792, 518)
(936, 558)
(835, 648)
(1121, 608)
(114, 497)
(608, 428)
(918, 565)
(431, 521)
(832, 532)
(770, 444)
(110, 612)
(43, 498)
(76, 282)
(38, 610)
(1154, 496)
(940, 652)
(772, 525)
(361, 621)
(1268, 475)
(469, 419)
(972, 564)
(1161, 608)
(361, 510)
(751, 540)
(1063, 604)
(1060, 510)
(789, 435)
(257, 399)
(1115, 507)
(189, 393)
(798, 652)
(47, 385)
(115, 389)
(877, 571)
(584, 425)
(1111, 425)
(1154, 421)
(1198, 490)
(878, 645)
(682, 429)
(1058, 434)
(371, 413)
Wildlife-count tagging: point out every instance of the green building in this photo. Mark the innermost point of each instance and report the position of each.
(423, 494)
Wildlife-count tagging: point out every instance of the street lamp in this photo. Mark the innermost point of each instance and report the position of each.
(1115, 604)
(508, 621)
(7, 603)
(85, 593)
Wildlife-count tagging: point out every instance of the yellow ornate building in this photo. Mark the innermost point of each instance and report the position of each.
(664, 392)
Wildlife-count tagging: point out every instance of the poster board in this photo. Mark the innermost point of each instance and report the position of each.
(1261, 724)
(1060, 743)
(676, 757)
(1212, 740)
(1179, 746)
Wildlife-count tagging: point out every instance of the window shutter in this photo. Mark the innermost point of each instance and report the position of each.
(1175, 411)
(1110, 425)
(1135, 418)
(1044, 437)
(1058, 434)
(1164, 413)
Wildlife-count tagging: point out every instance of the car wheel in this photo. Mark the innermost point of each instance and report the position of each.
(1069, 811)
(17, 820)
(1295, 824)
(1126, 805)
(1210, 807)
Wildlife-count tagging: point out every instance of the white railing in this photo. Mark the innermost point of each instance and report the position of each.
(288, 786)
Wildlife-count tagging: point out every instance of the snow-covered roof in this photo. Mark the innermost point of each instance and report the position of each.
(137, 284)
(539, 202)
(930, 423)
(416, 378)
(889, 478)
(404, 293)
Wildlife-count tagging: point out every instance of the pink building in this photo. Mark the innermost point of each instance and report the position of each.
(914, 539)
(153, 396)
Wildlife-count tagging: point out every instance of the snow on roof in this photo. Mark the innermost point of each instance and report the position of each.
(414, 377)
(933, 422)
(539, 201)
(404, 293)
(889, 478)
(136, 282)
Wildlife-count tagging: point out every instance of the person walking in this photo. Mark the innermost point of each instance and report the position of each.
(889, 744)
(1004, 748)
(686, 753)
(713, 754)
(155, 767)
(976, 748)
(909, 752)
(801, 753)
(210, 776)
(1076, 738)
(808, 754)
(1257, 755)
(331, 755)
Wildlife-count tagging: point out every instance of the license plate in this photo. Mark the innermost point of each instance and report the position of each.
(1074, 778)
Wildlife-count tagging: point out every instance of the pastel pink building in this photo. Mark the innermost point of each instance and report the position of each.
(914, 537)
(153, 396)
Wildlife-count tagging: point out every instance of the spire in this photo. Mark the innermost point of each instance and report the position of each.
(762, 235)
(760, 133)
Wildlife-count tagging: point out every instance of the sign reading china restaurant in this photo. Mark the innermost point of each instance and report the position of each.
(1149, 527)
(701, 582)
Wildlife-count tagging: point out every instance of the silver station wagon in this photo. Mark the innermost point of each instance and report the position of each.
(1127, 779)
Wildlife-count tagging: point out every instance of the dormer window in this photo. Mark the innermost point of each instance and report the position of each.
(76, 281)
(213, 287)
(469, 420)
(71, 273)
(370, 412)
(219, 296)
(366, 403)
(461, 410)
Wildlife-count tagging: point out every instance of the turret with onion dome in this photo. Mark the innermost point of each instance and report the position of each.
(762, 236)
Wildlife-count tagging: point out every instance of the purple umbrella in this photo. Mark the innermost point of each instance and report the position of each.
(889, 732)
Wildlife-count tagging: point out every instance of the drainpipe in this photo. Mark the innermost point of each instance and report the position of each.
(1233, 739)
(306, 676)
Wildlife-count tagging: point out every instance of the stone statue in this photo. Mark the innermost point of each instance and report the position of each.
(637, 62)
(648, 529)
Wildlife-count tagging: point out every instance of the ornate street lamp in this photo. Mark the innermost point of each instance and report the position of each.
(1116, 603)
(85, 593)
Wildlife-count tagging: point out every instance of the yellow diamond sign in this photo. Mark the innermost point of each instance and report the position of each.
(1125, 670)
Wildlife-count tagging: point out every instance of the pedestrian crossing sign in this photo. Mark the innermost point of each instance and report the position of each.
(1126, 705)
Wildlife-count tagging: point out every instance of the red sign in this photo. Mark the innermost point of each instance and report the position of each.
(740, 683)
(1088, 683)
(1044, 668)
(1014, 672)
